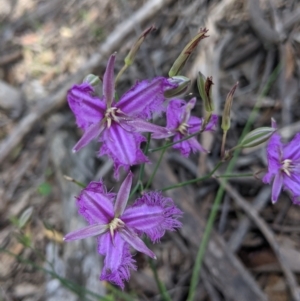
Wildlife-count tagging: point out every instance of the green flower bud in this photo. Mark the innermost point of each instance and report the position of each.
(256, 137)
(92, 79)
(133, 51)
(226, 113)
(205, 88)
(186, 52)
(183, 85)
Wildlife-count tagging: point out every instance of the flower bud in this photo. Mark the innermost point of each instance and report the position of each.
(205, 87)
(92, 79)
(256, 137)
(226, 113)
(186, 52)
(133, 51)
(182, 83)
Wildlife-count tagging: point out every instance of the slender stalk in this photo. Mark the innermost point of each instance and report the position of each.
(223, 144)
(163, 290)
(80, 184)
(120, 73)
(155, 169)
(173, 143)
(237, 175)
(219, 196)
(135, 188)
(141, 174)
(194, 180)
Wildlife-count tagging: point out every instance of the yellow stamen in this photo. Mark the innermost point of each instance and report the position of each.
(114, 225)
(286, 165)
(183, 128)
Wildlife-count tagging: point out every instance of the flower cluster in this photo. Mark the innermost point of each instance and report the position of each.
(119, 227)
(119, 125)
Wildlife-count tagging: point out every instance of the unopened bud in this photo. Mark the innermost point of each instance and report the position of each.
(256, 137)
(205, 87)
(182, 83)
(186, 52)
(92, 79)
(133, 51)
(226, 113)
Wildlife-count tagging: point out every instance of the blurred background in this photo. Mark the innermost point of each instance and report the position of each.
(46, 47)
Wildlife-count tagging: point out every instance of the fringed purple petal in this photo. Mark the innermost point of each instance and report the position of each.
(92, 230)
(292, 149)
(153, 214)
(118, 261)
(274, 154)
(175, 112)
(145, 98)
(122, 147)
(141, 126)
(296, 200)
(132, 238)
(268, 177)
(91, 133)
(276, 188)
(292, 183)
(211, 126)
(195, 125)
(87, 109)
(123, 195)
(187, 146)
(96, 204)
(108, 81)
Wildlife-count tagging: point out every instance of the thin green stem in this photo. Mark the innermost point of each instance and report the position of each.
(173, 143)
(155, 169)
(237, 175)
(223, 144)
(194, 180)
(142, 168)
(135, 189)
(120, 73)
(219, 196)
(80, 184)
(163, 290)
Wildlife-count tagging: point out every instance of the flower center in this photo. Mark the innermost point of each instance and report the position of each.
(286, 166)
(114, 225)
(183, 127)
(110, 115)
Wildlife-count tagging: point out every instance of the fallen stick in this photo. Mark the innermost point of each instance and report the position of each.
(57, 100)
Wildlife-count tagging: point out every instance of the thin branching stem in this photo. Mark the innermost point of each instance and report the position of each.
(209, 175)
(219, 196)
(155, 169)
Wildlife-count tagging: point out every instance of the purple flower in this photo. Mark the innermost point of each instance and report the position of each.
(181, 124)
(118, 124)
(283, 166)
(120, 227)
